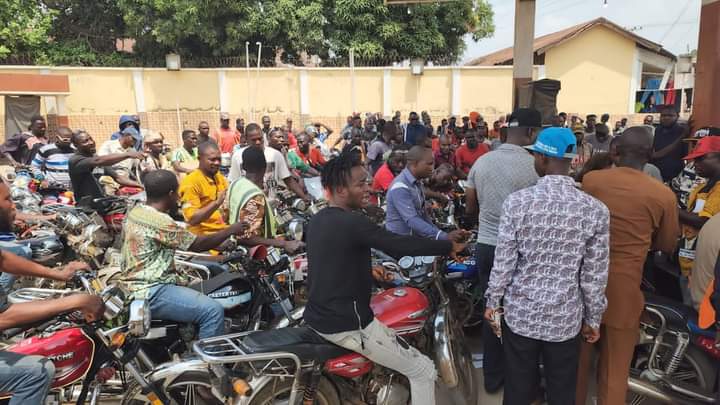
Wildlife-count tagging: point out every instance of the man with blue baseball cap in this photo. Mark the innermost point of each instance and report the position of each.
(551, 235)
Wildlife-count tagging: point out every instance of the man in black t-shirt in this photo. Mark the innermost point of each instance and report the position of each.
(668, 148)
(85, 169)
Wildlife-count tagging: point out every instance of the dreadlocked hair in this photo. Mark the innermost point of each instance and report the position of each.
(337, 172)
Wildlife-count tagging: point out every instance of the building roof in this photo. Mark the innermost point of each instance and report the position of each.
(545, 42)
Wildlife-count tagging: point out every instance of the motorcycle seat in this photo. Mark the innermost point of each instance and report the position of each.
(676, 313)
(215, 268)
(303, 342)
(214, 282)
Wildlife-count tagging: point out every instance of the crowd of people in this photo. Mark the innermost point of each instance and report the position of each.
(565, 215)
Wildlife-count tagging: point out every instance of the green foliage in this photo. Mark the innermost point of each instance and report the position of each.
(80, 32)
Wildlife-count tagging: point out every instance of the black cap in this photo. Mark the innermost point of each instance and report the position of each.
(525, 117)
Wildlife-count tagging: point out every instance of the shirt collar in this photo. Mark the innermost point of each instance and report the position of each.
(409, 176)
(512, 148)
(557, 180)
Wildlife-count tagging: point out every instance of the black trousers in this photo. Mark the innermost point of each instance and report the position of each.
(522, 369)
(493, 358)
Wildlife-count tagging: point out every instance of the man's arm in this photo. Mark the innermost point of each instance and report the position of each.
(200, 214)
(203, 243)
(20, 266)
(295, 187)
(111, 159)
(471, 203)
(30, 312)
(123, 179)
(37, 164)
(398, 246)
(402, 200)
(666, 236)
(692, 219)
(178, 167)
(594, 272)
(506, 257)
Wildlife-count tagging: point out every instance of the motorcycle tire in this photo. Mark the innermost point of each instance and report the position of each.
(193, 387)
(278, 391)
(695, 363)
(466, 391)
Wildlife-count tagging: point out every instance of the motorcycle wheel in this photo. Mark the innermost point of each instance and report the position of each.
(695, 369)
(277, 392)
(192, 388)
(466, 390)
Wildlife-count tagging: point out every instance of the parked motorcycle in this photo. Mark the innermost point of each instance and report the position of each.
(280, 366)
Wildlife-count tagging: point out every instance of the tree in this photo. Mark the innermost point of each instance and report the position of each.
(23, 28)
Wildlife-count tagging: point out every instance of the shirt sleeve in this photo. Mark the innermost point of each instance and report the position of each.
(666, 236)
(174, 236)
(373, 151)
(281, 168)
(594, 271)
(296, 162)
(235, 166)
(401, 199)
(375, 237)
(189, 198)
(712, 203)
(506, 256)
(83, 165)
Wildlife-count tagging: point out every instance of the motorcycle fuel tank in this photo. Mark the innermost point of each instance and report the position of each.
(70, 350)
(404, 309)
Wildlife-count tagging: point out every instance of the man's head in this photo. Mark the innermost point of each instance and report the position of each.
(37, 125)
(388, 133)
(356, 122)
(397, 159)
(63, 138)
(303, 140)
(453, 121)
(668, 116)
(445, 145)
(83, 142)
(590, 121)
(420, 161)
(7, 209)
(605, 118)
(154, 142)
(276, 139)
(346, 181)
(161, 186)
(444, 122)
(224, 120)
(240, 125)
(266, 122)
(190, 139)
(254, 135)
(579, 135)
(706, 156)
(127, 137)
(635, 147)
(602, 132)
(482, 132)
(497, 125)
(648, 120)
(356, 136)
(472, 138)
(414, 118)
(254, 164)
(204, 129)
(209, 158)
(523, 126)
(349, 120)
(553, 150)
(563, 118)
(623, 122)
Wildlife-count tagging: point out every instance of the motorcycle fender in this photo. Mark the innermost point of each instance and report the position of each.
(283, 322)
(166, 373)
(442, 346)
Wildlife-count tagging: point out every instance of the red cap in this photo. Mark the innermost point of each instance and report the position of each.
(709, 144)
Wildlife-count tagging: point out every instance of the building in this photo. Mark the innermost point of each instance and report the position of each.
(604, 68)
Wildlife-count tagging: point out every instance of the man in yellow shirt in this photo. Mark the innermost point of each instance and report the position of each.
(202, 193)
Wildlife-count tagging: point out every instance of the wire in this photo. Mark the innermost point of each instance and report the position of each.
(680, 14)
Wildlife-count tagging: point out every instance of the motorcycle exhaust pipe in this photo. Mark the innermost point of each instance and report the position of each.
(648, 390)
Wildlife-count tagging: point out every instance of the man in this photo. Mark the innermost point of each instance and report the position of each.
(346, 134)
(51, 161)
(125, 143)
(590, 121)
(18, 149)
(155, 159)
(346, 129)
(129, 121)
(387, 172)
(277, 168)
(225, 136)
(563, 119)
(340, 277)
(292, 139)
(545, 307)
(706, 261)
(443, 127)
(703, 204)
(688, 179)
(266, 126)
(86, 168)
(413, 129)
(600, 139)
(466, 126)
(668, 148)
(445, 154)
(240, 128)
(356, 144)
(493, 177)
(247, 201)
(468, 153)
(379, 148)
(185, 158)
(148, 265)
(310, 155)
(604, 119)
(203, 134)
(202, 193)
(648, 120)
(643, 216)
(406, 207)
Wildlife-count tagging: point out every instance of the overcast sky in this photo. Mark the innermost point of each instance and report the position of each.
(672, 23)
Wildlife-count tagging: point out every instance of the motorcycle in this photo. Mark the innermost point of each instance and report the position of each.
(280, 366)
(88, 355)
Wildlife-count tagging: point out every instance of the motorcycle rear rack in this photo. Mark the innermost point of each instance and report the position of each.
(36, 294)
(228, 349)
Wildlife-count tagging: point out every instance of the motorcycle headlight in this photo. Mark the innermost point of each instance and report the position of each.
(295, 229)
(299, 205)
(139, 319)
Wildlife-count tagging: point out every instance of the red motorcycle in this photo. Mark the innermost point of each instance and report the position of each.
(280, 366)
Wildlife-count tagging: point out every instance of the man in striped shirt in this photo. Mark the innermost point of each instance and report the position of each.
(52, 159)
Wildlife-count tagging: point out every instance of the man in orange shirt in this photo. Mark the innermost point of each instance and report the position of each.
(468, 153)
(309, 154)
(225, 136)
(387, 172)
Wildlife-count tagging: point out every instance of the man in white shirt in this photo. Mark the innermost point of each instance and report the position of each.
(277, 168)
(124, 144)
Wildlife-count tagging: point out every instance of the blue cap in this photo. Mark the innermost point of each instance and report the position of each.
(131, 131)
(555, 142)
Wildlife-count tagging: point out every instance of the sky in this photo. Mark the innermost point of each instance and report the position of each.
(672, 23)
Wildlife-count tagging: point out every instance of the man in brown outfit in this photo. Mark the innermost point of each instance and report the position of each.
(643, 215)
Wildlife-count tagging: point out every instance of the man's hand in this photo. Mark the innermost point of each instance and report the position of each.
(590, 334)
(221, 198)
(292, 246)
(92, 306)
(459, 235)
(68, 271)
(135, 155)
(238, 228)
(489, 317)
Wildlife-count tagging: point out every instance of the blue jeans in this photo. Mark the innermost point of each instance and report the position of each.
(7, 280)
(170, 302)
(28, 378)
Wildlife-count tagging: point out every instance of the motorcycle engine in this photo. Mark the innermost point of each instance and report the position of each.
(387, 390)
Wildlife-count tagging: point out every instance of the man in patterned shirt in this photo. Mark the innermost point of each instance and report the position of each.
(551, 236)
(151, 238)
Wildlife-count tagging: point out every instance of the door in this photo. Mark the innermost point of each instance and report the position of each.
(18, 111)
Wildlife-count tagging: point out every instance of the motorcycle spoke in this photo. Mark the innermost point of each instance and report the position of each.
(637, 400)
(684, 375)
(189, 395)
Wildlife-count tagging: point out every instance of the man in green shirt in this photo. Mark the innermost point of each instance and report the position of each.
(185, 158)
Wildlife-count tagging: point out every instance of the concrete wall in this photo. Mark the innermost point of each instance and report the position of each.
(595, 70)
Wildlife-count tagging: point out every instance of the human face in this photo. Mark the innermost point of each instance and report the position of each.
(708, 165)
(396, 164)
(191, 142)
(277, 140)
(668, 118)
(591, 122)
(85, 144)
(357, 122)
(209, 162)
(225, 124)
(303, 143)
(127, 141)
(204, 129)
(266, 122)
(648, 120)
(7, 209)
(580, 136)
(38, 127)
(445, 145)
(356, 138)
(63, 139)
(414, 119)
(240, 124)
(156, 146)
(255, 138)
(358, 190)
(424, 167)
(472, 140)
(496, 125)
